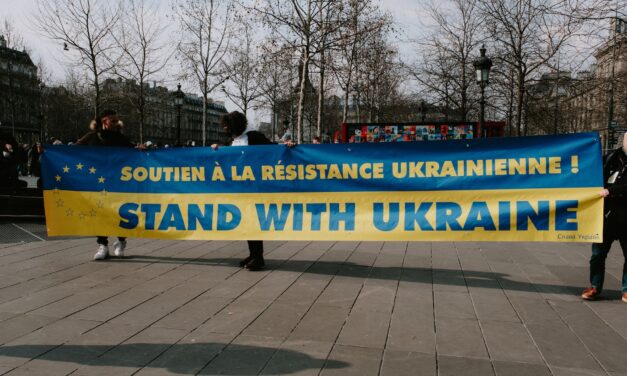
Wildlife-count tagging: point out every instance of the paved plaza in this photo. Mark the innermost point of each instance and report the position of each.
(321, 308)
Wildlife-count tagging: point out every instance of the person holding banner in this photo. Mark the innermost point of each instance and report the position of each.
(615, 221)
(236, 125)
(107, 132)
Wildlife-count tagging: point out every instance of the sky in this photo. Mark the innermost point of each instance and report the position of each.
(409, 17)
(22, 12)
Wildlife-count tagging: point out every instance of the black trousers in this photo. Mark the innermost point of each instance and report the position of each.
(104, 240)
(256, 248)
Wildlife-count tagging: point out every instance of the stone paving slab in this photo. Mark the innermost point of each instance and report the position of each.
(320, 308)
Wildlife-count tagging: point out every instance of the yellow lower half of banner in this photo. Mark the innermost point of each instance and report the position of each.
(557, 215)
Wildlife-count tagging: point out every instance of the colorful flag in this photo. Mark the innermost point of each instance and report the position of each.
(543, 188)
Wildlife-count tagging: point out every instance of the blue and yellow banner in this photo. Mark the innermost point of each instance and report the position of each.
(543, 188)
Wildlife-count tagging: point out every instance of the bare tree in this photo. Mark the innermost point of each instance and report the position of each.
(84, 27)
(529, 33)
(378, 76)
(205, 40)
(143, 53)
(294, 20)
(275, 76)
(11, 36)
(242, 68)
(447, 53)
(313, 27)
(363, 22)
(298, 23)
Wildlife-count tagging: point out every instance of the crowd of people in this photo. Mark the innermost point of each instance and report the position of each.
(23, 160)
(18, 160)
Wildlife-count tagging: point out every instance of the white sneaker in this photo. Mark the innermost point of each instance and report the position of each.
(103, 252)
(118, 248)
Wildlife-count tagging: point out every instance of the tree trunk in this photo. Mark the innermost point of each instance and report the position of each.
(141, 112)
(205, 93)
(320, 96)
(301, 96)
(464, 93)
(97, 100)
(510, 104)
(204, 119)
(520, 102)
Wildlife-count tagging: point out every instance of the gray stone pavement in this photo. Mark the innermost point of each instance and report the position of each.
(321, 308)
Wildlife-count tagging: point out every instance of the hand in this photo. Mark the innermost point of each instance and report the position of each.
(289, 144)
(214, 146)
(604, 193)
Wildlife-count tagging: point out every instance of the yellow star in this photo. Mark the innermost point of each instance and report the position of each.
(66, 169)
(79, 166)
(101, 180)
(57, 178)
(103, 192)
(100, 204)
(92, 213)
(69, 212)
(60, 203)
(92, 170)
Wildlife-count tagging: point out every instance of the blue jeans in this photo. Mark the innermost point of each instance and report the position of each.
(597, 260)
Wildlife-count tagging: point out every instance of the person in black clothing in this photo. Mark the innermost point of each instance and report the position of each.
(615, 221)
(33, 159)
(9, 177)
(235, 124)
(107, 133)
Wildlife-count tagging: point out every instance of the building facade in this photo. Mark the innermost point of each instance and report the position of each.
(20, 101)
(612, 75)
(593, 100)
(164, 122)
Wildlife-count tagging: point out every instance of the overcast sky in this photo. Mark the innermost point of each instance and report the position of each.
(21, 12)
(409, 17)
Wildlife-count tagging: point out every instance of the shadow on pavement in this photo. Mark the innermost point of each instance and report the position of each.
(452, 277)
(226, 359)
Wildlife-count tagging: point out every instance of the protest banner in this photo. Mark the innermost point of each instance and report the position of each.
(543, 188)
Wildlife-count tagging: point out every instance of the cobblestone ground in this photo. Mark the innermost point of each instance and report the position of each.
(321, 308)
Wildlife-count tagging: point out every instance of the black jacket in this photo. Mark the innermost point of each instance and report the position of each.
(257, 138)
(615, 180)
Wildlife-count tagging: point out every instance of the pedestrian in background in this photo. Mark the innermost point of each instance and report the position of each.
(614, 224)
(34, 154)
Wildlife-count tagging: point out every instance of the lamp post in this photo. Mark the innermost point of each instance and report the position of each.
(179, 98)
(482, 69)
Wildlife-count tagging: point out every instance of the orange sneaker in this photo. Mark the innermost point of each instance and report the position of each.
(591, 293)
(625, 297)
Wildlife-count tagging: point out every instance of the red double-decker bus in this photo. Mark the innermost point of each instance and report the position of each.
(417, 131)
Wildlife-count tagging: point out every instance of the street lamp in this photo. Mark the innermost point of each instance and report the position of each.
(179, 98)
(482, 68)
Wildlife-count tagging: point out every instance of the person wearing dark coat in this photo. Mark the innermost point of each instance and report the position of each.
(236, 125)
(34, 154)
(9, 177)
(614, 221)
(107, 133)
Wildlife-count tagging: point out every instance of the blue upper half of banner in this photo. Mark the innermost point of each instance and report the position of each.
(564, 161)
